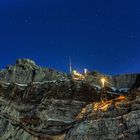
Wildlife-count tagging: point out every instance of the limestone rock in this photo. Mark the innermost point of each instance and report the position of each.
(116, 123)
(26, 71)
(124, 81)
(44, 104)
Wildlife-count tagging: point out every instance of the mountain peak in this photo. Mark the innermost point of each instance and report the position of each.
(26, 62)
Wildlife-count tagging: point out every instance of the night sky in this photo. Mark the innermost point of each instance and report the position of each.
(102, 35)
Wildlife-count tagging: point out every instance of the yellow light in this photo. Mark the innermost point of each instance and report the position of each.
(77, 75)
(103, 82)
(74, 72)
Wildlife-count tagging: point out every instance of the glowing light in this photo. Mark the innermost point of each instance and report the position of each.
(104, 105)
(77, 76)
(103, 82)
(85, 72)
(74, 72)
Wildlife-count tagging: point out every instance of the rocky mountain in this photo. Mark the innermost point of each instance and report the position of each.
(122, 82)
(25, 71)
(44, 104)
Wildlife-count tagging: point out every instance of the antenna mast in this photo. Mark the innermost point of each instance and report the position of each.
(70, 65)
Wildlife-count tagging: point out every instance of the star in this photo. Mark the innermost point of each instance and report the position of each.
(118, 29)
(27, 20)
(98, 12)
(91, 55)
(133, 60)
(91, 28)
(81, 20)
(96, 15)
(132, 36)
(47, 22)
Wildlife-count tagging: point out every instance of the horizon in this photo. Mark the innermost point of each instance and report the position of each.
(67, 72)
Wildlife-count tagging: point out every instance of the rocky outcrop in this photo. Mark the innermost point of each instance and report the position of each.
(60, 90)
(124, 81)
(121, 121)
(136, 85)
(43, 104)
(42, 110)
(26, 71)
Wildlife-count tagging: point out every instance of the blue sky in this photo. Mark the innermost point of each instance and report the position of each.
(99, 35)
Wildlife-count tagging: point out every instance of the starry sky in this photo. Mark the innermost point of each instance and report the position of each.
(102, 35)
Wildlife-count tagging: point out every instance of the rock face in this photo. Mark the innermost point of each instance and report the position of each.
(136, 85)
(124, 81)
(121, 121)
(26, 71)
(117, 81)
(43, 104)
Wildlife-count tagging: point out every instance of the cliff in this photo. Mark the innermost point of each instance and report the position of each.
(43, 104)
(26, 71)
(123, 81)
